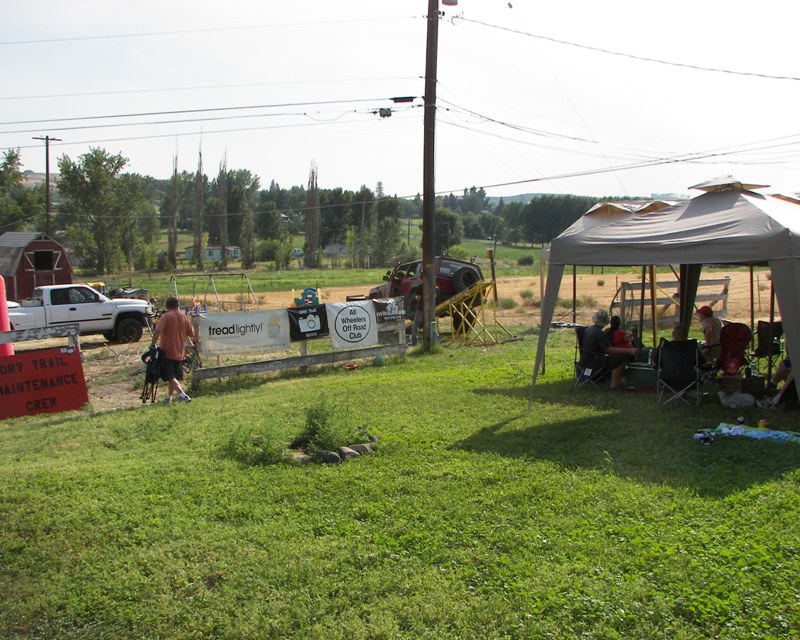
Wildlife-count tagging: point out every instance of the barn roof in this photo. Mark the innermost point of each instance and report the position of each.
(19, 238)
(12, 246)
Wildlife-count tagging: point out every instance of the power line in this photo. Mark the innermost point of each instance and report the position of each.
(201, 110)
(631, 55)
(211, 86)
(149, 34)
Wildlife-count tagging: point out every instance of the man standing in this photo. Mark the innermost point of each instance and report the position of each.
(416, 307)
(171, 331)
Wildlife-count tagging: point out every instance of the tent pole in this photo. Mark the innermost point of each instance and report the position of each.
(653, 303)
(752, 312)
(769, 337)
(574, 294)
(641, 303)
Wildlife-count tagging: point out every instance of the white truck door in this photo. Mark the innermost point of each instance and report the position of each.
(86, 308)
(58, 310)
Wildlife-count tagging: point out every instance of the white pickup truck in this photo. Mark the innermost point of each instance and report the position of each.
(123, 320)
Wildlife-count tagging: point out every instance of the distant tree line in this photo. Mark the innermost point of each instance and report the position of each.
(112, 219)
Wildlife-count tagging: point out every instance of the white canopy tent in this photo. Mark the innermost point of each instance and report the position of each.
(729, 224)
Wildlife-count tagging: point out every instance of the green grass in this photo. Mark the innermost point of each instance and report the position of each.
(592, 515)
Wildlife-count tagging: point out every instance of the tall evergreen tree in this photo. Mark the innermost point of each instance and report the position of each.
(199, 206)
(312, 213)
(222, 212)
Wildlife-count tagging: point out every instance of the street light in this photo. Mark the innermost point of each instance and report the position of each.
(428, 176)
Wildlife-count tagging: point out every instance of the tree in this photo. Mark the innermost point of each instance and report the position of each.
(101, 205)
(312, 244)
(19, 207)
(199, 200)
(138, 239)
(336, 215)
(388, 230)
(222, 212)
(268, 221)
(172, 228)
(364, 212)
(547, 216)
(449, 229)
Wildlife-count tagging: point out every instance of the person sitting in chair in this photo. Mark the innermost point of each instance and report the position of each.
(783, 374)
(595, 341)
(617, 336)
(711, 327)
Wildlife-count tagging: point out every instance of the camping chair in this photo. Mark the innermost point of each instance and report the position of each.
(152, 359)
(768, 346)
(192, 360)
(678, 371)
(596, 370)
(734, 339)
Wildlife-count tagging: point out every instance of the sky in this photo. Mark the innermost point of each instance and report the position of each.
(623, 98)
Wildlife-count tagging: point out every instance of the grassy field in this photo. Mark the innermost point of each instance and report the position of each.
(593, 515)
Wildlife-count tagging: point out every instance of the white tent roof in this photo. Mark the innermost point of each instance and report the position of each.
(725, 225)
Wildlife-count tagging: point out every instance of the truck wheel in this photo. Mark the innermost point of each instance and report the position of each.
(464, 278)
(129, 330)
(109, 336)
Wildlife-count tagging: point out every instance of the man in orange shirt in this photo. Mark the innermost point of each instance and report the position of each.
(171, 331)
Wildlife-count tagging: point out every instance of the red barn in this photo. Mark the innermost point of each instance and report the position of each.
(29, 259)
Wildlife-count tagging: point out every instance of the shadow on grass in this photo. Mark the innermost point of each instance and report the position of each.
(631, 437)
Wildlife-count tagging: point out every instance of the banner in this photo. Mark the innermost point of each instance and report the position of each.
(389, 309)
(42, 381)
(224, 333)
(308, 322)
(352, 324)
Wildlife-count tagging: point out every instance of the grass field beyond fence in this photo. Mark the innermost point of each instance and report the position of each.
(594, 515)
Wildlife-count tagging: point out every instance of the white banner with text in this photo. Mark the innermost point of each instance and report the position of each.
(352, 324)
(224, 333)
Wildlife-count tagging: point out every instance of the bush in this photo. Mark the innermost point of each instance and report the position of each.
(525, 261)
(327, 428)
(526, 294)
(458, 252)
(507, 303)
(256, 448)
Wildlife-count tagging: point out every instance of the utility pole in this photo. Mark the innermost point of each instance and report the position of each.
(47, 140)
(429, 176)
(429, 180)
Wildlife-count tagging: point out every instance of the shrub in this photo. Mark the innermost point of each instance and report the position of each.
(507, 303)
(525, 261)
(458, 252)
(256, 448)
(601, 283)
(327, 427)
(526, 294)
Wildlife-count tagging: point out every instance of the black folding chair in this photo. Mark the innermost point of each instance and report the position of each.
(192, 360)
(769, 350)
(594, 368)
(678, 371)
(152, 359)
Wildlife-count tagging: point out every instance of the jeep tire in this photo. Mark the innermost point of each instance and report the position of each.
(464, 278)
(129, 330)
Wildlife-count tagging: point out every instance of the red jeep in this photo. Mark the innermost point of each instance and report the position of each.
(452, 277)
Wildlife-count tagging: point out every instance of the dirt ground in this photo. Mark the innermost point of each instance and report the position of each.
(114, 371)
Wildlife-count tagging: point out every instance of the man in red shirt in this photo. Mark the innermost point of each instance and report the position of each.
(172, 330)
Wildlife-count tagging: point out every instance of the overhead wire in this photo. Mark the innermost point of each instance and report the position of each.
(632, 56)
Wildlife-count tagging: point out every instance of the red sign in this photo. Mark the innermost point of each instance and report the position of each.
(44, 381)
